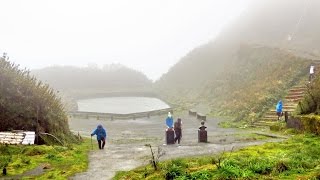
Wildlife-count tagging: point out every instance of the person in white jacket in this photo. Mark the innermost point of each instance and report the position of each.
(311, 75)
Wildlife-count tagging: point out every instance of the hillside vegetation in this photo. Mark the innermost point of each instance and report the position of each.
(250, 64)
(311, 101)
(245, 87)
(29, 104)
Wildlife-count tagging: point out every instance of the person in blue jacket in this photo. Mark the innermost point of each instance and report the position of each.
(279, 109)
(169, 121)
(101, 136)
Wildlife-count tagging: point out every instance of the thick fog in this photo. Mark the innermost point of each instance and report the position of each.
(149, 36)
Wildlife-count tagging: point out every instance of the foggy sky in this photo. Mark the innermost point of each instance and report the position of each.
(146, 35)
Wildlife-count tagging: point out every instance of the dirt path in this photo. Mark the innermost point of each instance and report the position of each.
(126, 149)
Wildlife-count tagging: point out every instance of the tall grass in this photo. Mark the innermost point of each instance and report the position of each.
(297, 158)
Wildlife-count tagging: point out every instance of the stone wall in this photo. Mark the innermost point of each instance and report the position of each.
(112, 116)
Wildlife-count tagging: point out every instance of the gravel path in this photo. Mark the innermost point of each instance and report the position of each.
(125, 148)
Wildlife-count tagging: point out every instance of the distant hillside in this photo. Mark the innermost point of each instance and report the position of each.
(251, 63)
(286, 24)
(78, 81)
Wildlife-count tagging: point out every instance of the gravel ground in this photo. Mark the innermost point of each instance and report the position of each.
(125, 148)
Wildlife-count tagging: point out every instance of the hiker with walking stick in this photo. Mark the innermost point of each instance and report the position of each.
(101, 136)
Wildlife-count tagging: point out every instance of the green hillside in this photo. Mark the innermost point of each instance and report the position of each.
(29, 104)
(250, 64)
(254, 78)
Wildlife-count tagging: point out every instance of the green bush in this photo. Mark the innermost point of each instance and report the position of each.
(33, 150)
(260, 165)
(311, 101)
(173, 171)
(29, 104)
(54, 157)
(4, 160)
(25, 160)
(203, 175)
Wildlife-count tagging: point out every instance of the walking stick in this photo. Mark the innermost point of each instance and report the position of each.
(91, 144)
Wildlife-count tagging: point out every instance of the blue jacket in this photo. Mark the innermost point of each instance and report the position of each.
(279, 106)
(100, 132)
(169, 122)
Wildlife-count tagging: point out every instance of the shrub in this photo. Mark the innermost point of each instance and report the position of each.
(203, 175)
(29, 104)
(4, 161)
(173, 171)
(281, 166)
(34, 150)
(261, 165)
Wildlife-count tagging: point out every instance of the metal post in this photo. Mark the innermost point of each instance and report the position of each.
(37, 127)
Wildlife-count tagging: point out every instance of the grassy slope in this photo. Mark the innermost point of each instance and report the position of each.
(248, 84)
(297, 158)
(63, 162)
(266, 22)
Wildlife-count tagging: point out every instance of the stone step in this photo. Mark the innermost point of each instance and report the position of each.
(298, 89)
(294, 96)
(263, 124)
(270, 117)
(298, 86)
(293, 93)
(283, 110)
(293, 100)
(286, 107)
(271, 112)
(289, 103)
(290, 107)
(267, 121)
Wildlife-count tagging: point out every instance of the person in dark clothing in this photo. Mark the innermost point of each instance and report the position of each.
(101, 136)
(178, 130)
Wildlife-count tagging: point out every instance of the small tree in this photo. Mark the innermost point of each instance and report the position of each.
(217, 160)
(155, 157)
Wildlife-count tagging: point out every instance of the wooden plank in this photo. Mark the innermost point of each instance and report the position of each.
(17, 137)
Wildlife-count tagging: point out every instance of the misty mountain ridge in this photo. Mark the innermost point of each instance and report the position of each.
(251, 63)
(111, 77)
(271, 34)
(286, 24)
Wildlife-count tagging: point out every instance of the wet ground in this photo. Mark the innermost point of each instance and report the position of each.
(125, 148)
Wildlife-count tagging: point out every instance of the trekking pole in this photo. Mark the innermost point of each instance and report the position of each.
(91, 144)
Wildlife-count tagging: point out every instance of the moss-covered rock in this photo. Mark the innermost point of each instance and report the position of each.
(305, 123)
